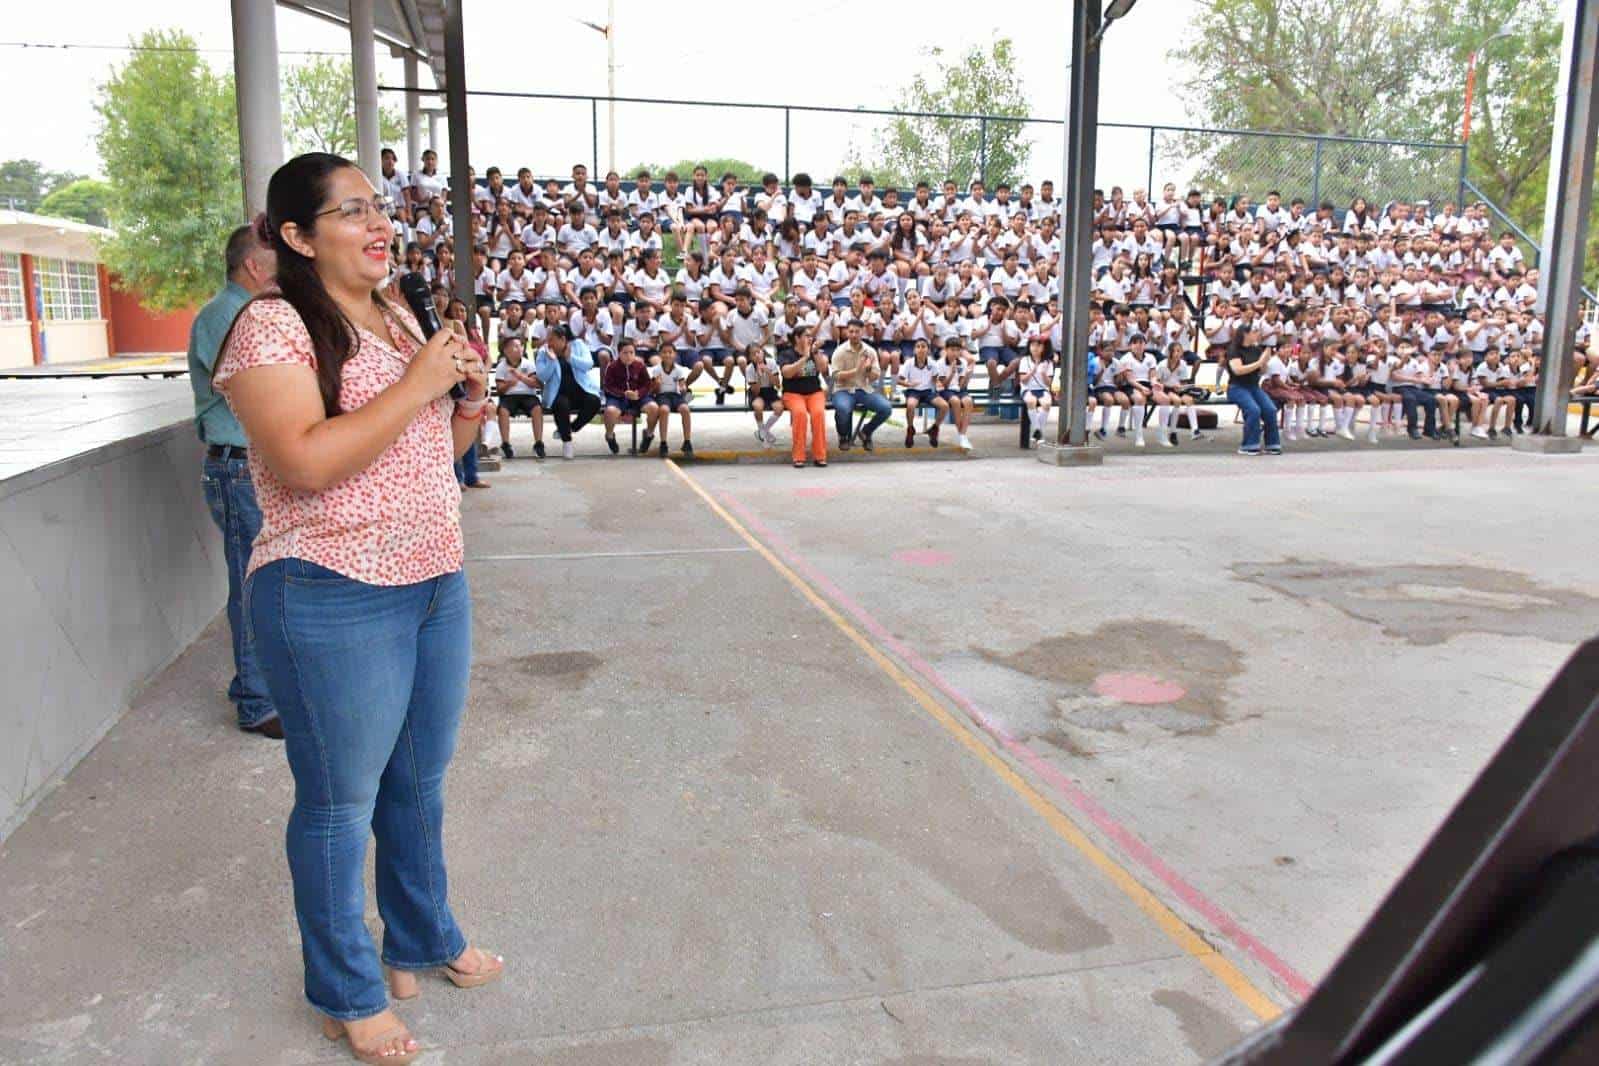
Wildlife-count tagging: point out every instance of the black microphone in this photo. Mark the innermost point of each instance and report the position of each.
(414, 287)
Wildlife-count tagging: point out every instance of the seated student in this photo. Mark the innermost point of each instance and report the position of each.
(954, 386)
(626, 382)
(571, 383)
(1467, 393)
(679, 331)
(766, 402)
(1174, 394)
(746, 330)
(1329, 375)
(1301, 370)
(1035, 374)
(1375, 381)
(1448, 402)
(1524, 369)
(997, 339)
(1497, 382)
(518, 389)
(1102, 386)
(855, 376)
(919, 377)
(643, 331)
(671, 381)
(1413, 379)
(1132, 372)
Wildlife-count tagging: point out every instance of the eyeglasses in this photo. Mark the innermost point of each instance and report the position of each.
(356, 207)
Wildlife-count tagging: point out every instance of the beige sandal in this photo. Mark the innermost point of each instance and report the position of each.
(403, 983)
(336, 1030)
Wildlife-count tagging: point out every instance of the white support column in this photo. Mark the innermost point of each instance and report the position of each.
(433, 129)
(255, 76)
(364, 65)
(413, 118)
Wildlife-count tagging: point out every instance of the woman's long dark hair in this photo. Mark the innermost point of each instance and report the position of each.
(295, 194)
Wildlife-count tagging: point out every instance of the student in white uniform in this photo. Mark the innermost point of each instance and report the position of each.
(1174, 395)
(1036, 375)
(958, 368)
(919, 376)
(671, 381)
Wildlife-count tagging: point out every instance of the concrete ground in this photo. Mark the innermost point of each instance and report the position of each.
(932, 763)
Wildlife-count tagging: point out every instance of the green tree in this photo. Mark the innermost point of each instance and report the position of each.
(977, 82)
(25, 182)
(747, 173)
(84, 200)
(170, 145)
(317, 111)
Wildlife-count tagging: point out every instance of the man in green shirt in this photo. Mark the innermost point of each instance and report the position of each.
(229, 492)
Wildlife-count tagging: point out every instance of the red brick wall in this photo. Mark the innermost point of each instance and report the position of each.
(138, 331)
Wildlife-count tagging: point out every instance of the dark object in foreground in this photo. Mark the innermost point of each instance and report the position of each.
(1487, 949)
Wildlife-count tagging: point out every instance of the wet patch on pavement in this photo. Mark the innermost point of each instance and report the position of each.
(1427, 605)
(1206, 1030)
(1126, 683)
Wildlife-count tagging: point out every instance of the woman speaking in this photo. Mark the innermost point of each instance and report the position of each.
(355, 598)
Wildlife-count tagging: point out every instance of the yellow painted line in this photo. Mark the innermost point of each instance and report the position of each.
(1179, 931)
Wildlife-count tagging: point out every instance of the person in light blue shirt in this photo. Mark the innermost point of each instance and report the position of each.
(229, 492)
(565, 369)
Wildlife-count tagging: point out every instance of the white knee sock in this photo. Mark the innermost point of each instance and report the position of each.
(1104, 418)
(1193, 417)
(1138, 419)
(1396, 412)
(1163, 416)
(1321, 421)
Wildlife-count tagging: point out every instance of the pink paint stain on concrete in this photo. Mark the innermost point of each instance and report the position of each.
(1138, 688)
(815, 492)
(923, 557)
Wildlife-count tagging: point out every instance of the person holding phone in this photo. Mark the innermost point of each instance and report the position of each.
(1246, 359)
(802, 369)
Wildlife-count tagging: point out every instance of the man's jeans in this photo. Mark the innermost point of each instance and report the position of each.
(844, 404)
(231, 496)
(371, 681)
(1413, 397)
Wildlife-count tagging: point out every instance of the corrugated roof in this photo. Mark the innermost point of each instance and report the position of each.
(416, 26)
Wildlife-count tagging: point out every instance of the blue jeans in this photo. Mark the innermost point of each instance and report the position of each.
(230, 495)
(844, 403)
(466, 466)
(1411, 398)
(370, 682)
(1258, 411)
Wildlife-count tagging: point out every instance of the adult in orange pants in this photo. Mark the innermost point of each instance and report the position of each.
(802, 369)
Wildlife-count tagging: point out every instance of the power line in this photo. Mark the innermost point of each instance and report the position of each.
(69, 46)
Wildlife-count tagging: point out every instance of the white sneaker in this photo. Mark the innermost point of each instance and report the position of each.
(566, 450)
(1198, 435)
(965, 444)
(1479, 432)
(1372, 437)
(1138, 442)
(1166, 439)
(1346, 434)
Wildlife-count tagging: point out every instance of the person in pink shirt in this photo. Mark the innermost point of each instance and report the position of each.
(355, 594)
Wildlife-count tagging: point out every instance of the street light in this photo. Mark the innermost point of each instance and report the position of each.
(608, 31)
(1114, 10)
(1471, 81)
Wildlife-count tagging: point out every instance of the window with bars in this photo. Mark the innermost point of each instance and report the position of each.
(12, 306)
(70, 290)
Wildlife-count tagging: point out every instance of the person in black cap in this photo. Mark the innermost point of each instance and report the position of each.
(571, 383)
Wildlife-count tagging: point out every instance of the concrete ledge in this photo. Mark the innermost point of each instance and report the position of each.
(111, 567)
(1541, 444)
(1067, 455)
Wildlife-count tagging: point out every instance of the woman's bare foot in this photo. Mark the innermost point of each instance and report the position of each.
(382, 1036)
(475, 962)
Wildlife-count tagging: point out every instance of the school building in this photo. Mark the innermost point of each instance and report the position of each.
(59, 304)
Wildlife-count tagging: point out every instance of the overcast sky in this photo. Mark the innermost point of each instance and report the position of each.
(811, 53)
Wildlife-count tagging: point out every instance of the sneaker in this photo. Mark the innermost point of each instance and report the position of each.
(1121, 431)
(1346, 433)
(538, 448)
(1168, 440)
(1038, 434)
(1479, 433)
(644, 445)
(1173, 438)
(1100, 433)
(1275, 449)
(965, 445)
(932, 435)
(688, 449)
(566, 449)
(663, 450)
(1197, 435)
(1138, 442)
(721, 395)
(1493, 434)
(1248, 451)
(1415, 434)
(505, 450)
(610, 442)
(866, 443)
(844, 444)
(910, 436)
